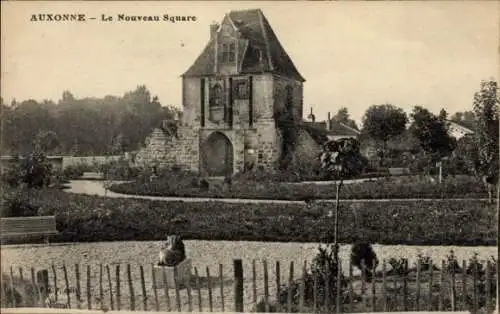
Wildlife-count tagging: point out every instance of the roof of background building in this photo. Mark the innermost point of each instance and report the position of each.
(465, 124)
(260, 49)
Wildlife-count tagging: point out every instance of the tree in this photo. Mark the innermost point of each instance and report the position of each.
(383, 122)
(45, 141)
(340, 159)
(432, 133)
(343, 116)
(485, 105)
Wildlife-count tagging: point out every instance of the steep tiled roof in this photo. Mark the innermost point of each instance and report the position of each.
(264, 52)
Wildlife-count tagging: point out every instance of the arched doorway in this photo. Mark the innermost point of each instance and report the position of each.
(217, 155)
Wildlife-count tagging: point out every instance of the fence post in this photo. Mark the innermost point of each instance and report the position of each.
(238, 285)
(418, 279)
(221, 281)
(66, 282)
(78, 287)
(111, 303)
(487, 285)
(54, 273)
(89, 296)
(453, 290)
(278, 281)
(131, 288)
(143, 288)
(209, 284)
(118, 290)
(12, 290)
(384, 287)
(431, 274)
(266, 286)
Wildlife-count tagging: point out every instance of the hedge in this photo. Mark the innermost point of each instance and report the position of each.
(86, 218)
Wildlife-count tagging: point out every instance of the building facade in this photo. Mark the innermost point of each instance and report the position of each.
(232, 96)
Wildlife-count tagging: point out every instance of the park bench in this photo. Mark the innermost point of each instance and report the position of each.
(25, 227)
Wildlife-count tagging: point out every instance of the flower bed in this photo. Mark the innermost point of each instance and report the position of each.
(90, 218)
(188, 186)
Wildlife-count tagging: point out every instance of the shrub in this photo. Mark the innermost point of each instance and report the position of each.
(17, 204)
(363, 256)
(452, 265)
(324, 268)
(32, 170)
(76, 170)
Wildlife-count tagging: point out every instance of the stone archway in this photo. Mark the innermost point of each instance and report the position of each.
(217, 155)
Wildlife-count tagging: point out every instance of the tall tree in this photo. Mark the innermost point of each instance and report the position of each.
(383, 122)
(486, 134)
(432, 133)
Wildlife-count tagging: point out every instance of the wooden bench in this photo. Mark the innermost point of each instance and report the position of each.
(25, 227)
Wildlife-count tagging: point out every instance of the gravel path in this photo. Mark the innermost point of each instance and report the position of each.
(97, 188)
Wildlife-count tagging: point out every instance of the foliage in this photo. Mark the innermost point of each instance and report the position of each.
(87, 126)
(32, 170)
(342, 159)
(398, 266)
(383, 122)
(86, 218)
(76, 170)
(343, 116)
(120, 169)
(452, 265)
(432, 133)
(17, 204)
(486, 135)
(363, 256)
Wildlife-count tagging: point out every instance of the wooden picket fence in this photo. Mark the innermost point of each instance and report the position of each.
(426, 287)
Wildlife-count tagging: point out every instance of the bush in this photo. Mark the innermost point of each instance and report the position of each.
(17, 204)
(120, 169)
(32, 170)
(75, 171)
(324, 268)
(363, 256)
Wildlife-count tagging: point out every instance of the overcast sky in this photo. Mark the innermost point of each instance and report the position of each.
(352, 54)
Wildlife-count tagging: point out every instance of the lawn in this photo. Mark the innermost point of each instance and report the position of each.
(85, 218)
(188, 185)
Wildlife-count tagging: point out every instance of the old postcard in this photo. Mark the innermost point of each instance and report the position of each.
(247, 156)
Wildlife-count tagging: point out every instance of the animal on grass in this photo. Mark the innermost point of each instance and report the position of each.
(363, 254)
(173, 252)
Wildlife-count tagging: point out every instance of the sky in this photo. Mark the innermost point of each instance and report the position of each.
(352, 54)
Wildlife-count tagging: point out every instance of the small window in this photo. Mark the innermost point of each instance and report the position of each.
(228, 52)
(232, 52)
(241, 89)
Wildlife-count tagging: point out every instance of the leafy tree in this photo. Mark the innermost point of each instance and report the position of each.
(383, 122)
(84, 126)
(486, 134)
(432, 133)
(343, 116)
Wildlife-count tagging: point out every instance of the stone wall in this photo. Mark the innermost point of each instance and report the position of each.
(165, 151)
